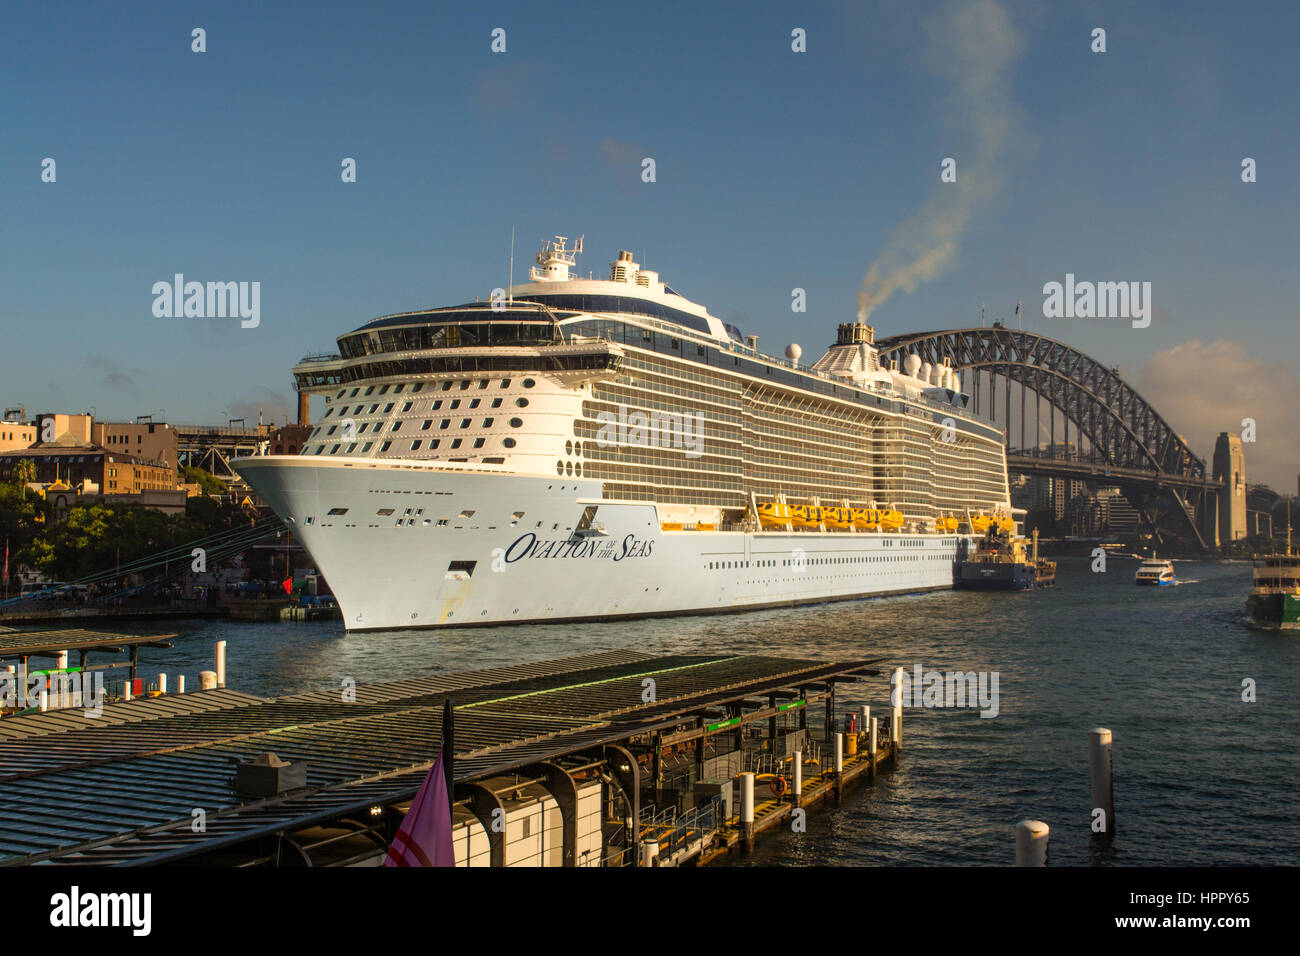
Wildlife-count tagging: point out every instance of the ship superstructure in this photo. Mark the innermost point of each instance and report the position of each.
(614, 421)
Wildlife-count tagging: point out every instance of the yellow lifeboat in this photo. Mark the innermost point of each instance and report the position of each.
(865, 519)
(839, 518)
(806, 516)
(980, 523)
(773, 515)
(671, 525)
(1007, 525)
(946, 524)
(891, 520)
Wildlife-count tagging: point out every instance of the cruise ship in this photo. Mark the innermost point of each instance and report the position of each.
(582, 448)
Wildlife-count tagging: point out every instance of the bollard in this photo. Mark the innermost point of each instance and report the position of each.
(1031, 843)
(180, 683)
(747, 806)
(1103, 787)
(221, 663)
(649, 853)
(839, 754)
(866, 719)
(61, 661)
(45, 700)
(207, 680)
(896, 712)
(162, 683)
(126, 691)
(796, 791)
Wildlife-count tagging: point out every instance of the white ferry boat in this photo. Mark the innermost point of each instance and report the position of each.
(1154, 571)
(595, 448)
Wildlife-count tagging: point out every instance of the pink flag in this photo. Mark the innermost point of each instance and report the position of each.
(424, 838)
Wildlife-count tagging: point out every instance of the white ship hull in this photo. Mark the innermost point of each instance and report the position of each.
(454, 551)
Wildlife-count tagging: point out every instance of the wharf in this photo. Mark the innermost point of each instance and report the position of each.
(608, 759)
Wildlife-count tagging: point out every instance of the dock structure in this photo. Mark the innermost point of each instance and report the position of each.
(608, 759)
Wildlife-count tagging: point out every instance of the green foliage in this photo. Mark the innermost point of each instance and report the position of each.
(210, 484)
(23, 516)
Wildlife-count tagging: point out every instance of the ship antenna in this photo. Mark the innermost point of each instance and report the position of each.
(510, 295)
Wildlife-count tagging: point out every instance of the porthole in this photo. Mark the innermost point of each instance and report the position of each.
(509, 443)
(521, 402)
(568, 468)
(577, 449)
(528, 383)
(568, 448)
(559, 467)
(577, 470)
(516, 422)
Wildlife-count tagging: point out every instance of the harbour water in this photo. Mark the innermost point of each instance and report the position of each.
(1201, 777)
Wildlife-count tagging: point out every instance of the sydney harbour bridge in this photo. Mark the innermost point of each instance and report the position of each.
(1068, 416)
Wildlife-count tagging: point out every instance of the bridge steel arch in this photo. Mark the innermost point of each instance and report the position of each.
(1124, 430)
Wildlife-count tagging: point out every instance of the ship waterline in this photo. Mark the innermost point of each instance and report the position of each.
(605, 448)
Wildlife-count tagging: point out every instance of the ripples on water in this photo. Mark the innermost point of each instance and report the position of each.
(1200, 777)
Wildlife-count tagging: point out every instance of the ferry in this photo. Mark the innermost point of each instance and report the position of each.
(1155, 572)
(1274, 600)
(587, 448)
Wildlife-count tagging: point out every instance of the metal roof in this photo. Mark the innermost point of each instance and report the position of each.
(123, 792)
(47, 643)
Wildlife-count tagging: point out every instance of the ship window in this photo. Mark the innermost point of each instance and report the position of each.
(444, 423)
(494, 461)
(370, 390)
(333, 429)
(559, 467)
(407, 406)
(577, 449)
(577, 470)
(385, 446)
(475, 403)
(478, 442)
(699, 350)
(419, 387)
(516, 422)
(328, 413)
(528, 383)
(487, 422)
(428, 423)
(388, 408)
(396, 426)
(455, 403)
(446, 386)
(496, 403)
(354, 393)
(675, 344)
(366, 447)
(521, 402)
(374, 408)
(384, 512)
(509, 443)
(352, 448)
(568, 467)
(455, 443)
(464, 384)
(415, 445)
(464, 423)
(364, 426)
(397, 390)
(383, 390)
(337, 511)
(483, 383)
(505, 383)
(340, 394)
(436, 405)
(568, 448)
(334, 450)
(442, 522)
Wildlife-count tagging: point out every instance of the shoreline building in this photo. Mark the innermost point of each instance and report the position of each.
(1230, 469)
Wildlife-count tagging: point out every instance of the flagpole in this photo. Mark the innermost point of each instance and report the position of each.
(447, 746)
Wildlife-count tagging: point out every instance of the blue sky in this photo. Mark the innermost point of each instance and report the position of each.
(775, 170)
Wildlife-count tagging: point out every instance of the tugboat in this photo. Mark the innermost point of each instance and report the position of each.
(1155, 572)
(1275, 599)
(1001, 564)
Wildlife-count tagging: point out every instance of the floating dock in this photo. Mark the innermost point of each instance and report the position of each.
(609, 759)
